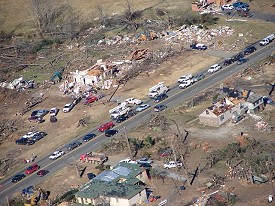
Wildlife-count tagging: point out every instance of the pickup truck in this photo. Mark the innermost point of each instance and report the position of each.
(116, 114)
(172, 164)
(133, 100)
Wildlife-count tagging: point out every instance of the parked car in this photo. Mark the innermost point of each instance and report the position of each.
(121, 118)
(239, 3)
(198, 77)
(39, 113)
(18, 177)
(54, 111)
(249, 50)
(131, 113)
(31, 169)
(160, 97)
(237, 118)
(68, 107)
(36, 119)
(73, 145)
(214, 68)
(142, 107)
(242, 60)
(198, 46)
(242, 7)
(37, 136)
(185, 78)
(88, 137)
(91, 175)
(227, 7)
(91, 99)
(144, 160)
(42, 173)
(172, 164)
(238, 56)
(133, 100)
(25, 141)
(128, 160)
(56, 155)
(106, 126)
(185, 84)
(159, 108)
(110, 132)
(165, 152)
(228, 61)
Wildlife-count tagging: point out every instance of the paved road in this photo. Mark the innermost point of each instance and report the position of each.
(263, 16)
(176, 96)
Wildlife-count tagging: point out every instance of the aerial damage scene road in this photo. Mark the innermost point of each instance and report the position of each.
(137, 103)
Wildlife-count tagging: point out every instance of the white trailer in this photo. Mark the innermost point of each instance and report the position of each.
(159, 88)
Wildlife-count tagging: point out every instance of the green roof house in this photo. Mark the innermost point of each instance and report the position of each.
(121, 186)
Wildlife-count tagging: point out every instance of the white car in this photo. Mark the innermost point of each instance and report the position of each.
(185, 84)
(142, 107)
(128, 160)
(227, 7)
(185, 78)
(68, 107)
(53, 112)
(56, 155)
(214, 68)
(133, 100)
(172, 164)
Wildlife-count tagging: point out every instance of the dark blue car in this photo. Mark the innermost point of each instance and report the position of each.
(88, 137)
(18, 177)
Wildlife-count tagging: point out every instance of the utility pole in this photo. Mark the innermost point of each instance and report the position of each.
(8, 202)
(270, 174)
(128, 144)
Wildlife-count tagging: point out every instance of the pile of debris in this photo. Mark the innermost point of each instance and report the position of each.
(196, 33)
(20, 84)
(263, 126)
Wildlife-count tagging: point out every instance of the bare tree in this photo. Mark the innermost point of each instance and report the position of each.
(45, 12)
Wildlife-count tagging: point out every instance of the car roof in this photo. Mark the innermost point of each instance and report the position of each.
(214, 65)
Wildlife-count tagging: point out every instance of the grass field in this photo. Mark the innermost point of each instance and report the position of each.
(17, 15)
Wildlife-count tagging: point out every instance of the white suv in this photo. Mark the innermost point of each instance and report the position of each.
(214, 68)
(185, 84)
(184, 78)
(172, 164)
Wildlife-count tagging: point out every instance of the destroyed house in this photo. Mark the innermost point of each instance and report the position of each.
(95, 75)
(218, 113)
(121, 186)
(231, 103)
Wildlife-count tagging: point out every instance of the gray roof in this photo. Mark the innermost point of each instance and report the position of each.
(123, 171)
(253, 98)
(107, 175)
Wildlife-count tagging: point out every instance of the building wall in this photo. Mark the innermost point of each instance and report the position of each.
(209, 118)
(115, 201)
(138, 198)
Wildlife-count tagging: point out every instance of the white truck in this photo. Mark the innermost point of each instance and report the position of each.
(172, 164)
(117, 113)
(186, 84)
(158, 89)
(267, 40)
(118, 108)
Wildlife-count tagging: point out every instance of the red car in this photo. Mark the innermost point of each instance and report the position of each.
(90, 100)
(106, 126)
(32, 169)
